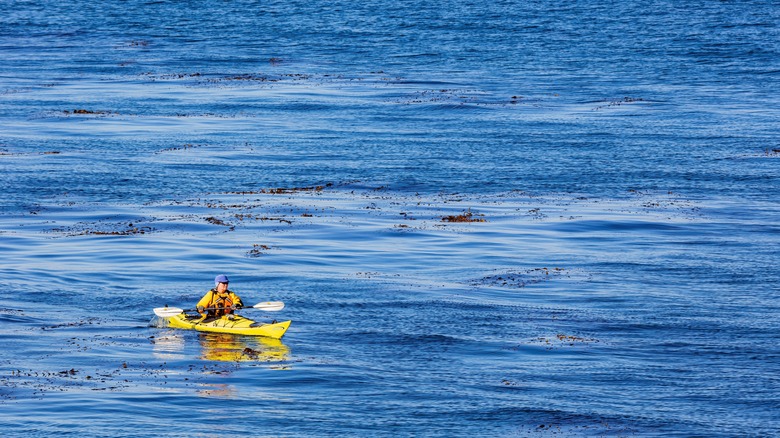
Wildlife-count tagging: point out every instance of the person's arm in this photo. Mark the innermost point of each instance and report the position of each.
(236, 300)
(205, 302)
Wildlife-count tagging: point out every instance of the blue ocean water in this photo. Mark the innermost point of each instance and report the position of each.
(616, 164)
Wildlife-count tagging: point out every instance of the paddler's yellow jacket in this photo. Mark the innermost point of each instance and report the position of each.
(222, 302)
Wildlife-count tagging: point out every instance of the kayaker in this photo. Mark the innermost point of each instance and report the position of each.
(219, 301)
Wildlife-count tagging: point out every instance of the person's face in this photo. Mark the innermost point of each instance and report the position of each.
(222, 287)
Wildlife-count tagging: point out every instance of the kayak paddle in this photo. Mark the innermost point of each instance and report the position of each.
(268, 306)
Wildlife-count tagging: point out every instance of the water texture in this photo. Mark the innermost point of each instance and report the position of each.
(503, 219)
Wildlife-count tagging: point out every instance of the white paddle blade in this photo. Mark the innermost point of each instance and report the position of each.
(167, 312)
(270, 306)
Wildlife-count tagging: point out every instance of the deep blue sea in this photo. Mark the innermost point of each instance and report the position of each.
(615, 166)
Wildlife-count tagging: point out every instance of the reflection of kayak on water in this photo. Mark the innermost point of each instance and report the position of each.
(221, 347)
(228, 348)
(229, 324)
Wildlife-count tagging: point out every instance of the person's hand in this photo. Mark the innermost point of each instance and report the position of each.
(201, 309)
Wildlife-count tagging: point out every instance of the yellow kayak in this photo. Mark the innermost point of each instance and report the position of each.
(232, 324)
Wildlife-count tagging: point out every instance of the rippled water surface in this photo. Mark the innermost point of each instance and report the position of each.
(504, 219)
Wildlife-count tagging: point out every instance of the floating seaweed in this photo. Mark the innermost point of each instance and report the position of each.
(183, 147)
(173, 76)
(619, 102)
(562, 340)
(80, 323)
(216, 221)
(257, 250)
(82, 111)
(467, 216)
(536, 213)
(11, 154)
(282, 190)
(282, 220)
(286, 191)
(101, 228)
(520, 279)
(128, 232)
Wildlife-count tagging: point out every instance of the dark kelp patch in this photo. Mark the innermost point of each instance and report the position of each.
(82, 111)
(114, 376)
(279, 219)
(282, 190)
(467, 216)
(80, 323)
(127, 232)
(455, 97)
(536, 214)
(258, 250)
(19, 154)
(564, 340)
(184, 147)
(618, 102)
(217, 221)
(558, 428)
(520, 279)
(104, 229)
(246, 216)
(669, 203)
(560, 340)
(286, 191)
(172, 76)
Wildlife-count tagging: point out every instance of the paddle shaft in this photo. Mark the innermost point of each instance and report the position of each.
(269, 306)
